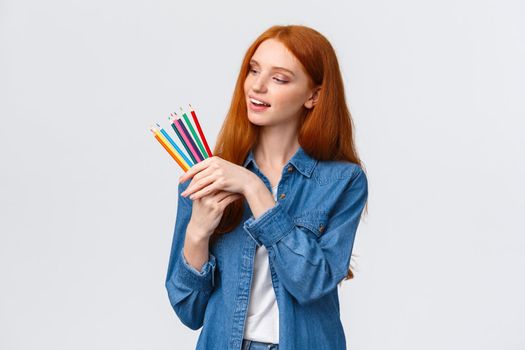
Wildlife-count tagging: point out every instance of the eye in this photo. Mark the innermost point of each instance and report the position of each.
(280, 81)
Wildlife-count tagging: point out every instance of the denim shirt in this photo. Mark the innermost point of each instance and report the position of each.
(309, 235)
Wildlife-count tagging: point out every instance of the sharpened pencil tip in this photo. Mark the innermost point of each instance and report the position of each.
(158, 125)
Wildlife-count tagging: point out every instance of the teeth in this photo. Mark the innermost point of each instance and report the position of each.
(257, 102)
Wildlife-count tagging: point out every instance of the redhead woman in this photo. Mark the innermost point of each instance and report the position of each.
(265, 228)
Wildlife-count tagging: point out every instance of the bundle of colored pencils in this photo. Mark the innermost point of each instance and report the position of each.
(196, 146)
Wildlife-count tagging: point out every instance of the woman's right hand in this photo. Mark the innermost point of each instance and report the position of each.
(207, 212)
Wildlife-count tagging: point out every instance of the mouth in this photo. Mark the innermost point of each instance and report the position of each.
(258, 103)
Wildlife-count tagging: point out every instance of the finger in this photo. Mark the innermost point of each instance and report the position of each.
(205, 191)
(216, 196)
(203, 173)
(196, 168)
(222, 195)
(197, 184)
(213, 198)
(229, 199)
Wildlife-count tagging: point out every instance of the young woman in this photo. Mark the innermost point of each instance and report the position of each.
(265, 228)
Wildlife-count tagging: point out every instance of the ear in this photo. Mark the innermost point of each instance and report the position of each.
(312, 100)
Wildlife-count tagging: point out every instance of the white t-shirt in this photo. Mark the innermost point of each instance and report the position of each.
(262, 321)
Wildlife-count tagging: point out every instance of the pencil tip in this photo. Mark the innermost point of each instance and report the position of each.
(158, 125)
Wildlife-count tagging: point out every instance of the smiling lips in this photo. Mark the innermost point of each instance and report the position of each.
(258, 102)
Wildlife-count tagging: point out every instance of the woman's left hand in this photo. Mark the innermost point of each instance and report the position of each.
(214, 174)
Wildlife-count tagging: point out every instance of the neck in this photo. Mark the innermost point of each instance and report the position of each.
(275, 146)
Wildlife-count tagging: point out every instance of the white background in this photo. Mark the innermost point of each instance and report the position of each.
(88, 196)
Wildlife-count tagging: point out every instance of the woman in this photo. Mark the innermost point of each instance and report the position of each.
(265, 228)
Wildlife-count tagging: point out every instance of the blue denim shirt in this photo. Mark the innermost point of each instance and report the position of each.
(309, 236)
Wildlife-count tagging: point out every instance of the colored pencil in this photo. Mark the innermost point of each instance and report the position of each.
(177, 148)
(194, 134)
(162, 140)
(187, 138)
(203, 138)
(181, 138)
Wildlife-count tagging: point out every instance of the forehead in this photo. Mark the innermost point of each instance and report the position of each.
(272, 52)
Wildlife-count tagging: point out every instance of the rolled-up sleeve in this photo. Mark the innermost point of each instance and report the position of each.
(270, 227)
(199, 280)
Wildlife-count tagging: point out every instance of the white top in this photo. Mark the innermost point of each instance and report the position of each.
(262, 321)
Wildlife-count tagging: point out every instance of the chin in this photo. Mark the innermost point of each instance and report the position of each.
(258, 119)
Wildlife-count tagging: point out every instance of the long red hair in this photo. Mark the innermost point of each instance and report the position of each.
(325, 131)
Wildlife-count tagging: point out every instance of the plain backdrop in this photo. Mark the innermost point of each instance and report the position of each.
(88, 197)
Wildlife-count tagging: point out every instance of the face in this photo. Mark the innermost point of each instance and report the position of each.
(276, 78)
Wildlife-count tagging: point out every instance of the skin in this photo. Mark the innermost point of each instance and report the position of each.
(216, 182)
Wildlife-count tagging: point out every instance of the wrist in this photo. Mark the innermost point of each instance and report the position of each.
(196, 234)
(253, 186)
(196, 250)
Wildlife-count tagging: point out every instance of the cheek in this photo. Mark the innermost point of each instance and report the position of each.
(246, 84)
(290, 99)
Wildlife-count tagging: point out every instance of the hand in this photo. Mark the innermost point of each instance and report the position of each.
(216, 174)
(207, 212)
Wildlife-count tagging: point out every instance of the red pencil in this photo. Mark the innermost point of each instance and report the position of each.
(200, 131)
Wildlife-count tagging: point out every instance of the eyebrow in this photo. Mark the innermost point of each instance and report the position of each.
(274, 67)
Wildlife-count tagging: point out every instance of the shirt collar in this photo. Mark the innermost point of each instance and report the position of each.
(300, 160)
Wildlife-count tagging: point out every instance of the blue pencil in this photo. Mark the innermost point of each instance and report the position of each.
(163, 132)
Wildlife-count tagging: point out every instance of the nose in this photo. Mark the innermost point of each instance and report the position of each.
(259, 84)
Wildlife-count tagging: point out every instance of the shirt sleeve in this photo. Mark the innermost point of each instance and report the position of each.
(188, 289)
(310, 267)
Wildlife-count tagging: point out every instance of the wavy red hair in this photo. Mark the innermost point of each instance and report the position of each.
(325, 131)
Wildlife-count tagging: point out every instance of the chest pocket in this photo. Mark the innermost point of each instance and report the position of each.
(314, 221)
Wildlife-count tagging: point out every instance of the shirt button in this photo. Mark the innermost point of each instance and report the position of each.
(290, 169)
(321, 228)
(282, 196)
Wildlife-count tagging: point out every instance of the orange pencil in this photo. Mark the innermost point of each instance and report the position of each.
(171, 151)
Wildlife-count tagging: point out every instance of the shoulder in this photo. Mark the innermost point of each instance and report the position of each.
(337, 170)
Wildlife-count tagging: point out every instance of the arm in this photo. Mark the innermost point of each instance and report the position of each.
(188, 288)
(309, 268)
